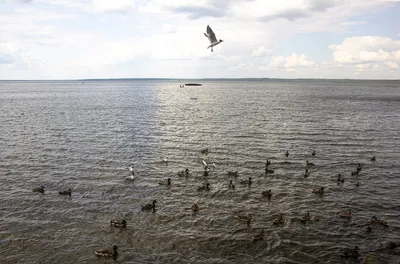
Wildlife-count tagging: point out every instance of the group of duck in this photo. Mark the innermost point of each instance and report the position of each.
(350, 253)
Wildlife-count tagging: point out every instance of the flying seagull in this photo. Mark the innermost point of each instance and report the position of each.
(211, 37)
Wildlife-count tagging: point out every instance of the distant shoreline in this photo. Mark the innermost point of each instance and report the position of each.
(199, 79)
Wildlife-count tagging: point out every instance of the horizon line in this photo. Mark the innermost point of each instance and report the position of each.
(183, 79)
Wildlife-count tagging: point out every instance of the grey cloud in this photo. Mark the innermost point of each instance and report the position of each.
(198, 12)
(290, 15)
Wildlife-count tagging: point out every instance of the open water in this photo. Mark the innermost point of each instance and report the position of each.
(84, 136)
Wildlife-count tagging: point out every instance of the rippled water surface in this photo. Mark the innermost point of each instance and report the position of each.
(84, 136)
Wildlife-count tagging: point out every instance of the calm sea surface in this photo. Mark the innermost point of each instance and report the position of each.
(84, 137)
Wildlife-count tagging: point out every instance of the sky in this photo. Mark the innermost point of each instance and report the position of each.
(83, 39)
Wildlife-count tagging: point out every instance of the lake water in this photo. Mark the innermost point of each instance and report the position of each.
(84, 136)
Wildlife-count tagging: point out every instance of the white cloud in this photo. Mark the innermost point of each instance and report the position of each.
(260, 51)
(59, 39)
(297, 61)
(362, 52)
(391, 65)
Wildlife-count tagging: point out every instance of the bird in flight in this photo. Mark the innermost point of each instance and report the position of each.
(211, 37)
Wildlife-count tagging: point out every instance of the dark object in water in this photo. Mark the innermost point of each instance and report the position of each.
(192, 84)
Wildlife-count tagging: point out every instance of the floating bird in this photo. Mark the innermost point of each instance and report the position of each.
(165, 182)
(40, 189)
(279, 221)
(248, 182)
(313, 153)
(245, 218)
(351, 253)
(287, 153)
(388, 245)
(305, 217)
(149, 206)
(212, 38)
(233, 173)
(231, 185)
(107, 252)
(68, 192)
(319, 190)
(268, 170)
(309, 163)
(373, 158)
(339, 178)
(204, 151)
(259, 236)
(183, 172)
(376, 221)
(267, 193)
(206, 171)
(119, 224)
(165, 160)
(205, 187)
(306, 174)
(345, 214)
(195, 207)
(267, 163)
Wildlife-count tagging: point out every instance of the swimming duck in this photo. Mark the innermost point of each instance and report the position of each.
(389, 245)
(373, 158)
(279, 221)
(287, 153)
(149, 206)
(267, 163)
(165, 182)
(206, 170)
(195, 207)
(309, 163)
(245, 218)
(204, 151)
(339, 178)
(107, 252)
(375, 220)
(259, 236)
(267, 193)
(319, 190)
(350, 253)
(305, 217)
(205, 187)
(116, 223)
(306, 174)
(248, 182)
(68, 192)
(233, 173)
(183, 172)
(359, 168)
(345, 214)
(313, 153)
(268, 170)
(40, 189)
(231, 185)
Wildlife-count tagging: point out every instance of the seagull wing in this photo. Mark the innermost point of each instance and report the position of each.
(211, 36)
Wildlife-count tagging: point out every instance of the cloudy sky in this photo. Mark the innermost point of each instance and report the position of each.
(73, 39)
